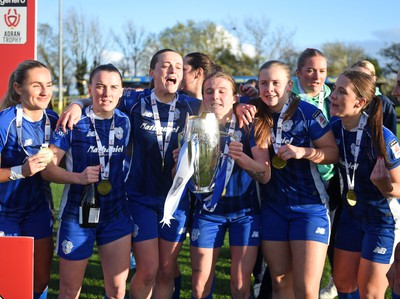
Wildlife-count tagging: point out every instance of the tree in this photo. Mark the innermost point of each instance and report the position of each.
(85, 43)
(268, 43)
(47, 50)
(133, 43)
(341, 56)
(392, 54)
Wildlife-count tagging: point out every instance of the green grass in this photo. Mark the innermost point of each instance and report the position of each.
(92, 287)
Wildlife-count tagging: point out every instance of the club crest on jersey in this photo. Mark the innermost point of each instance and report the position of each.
(320, 118)
(394, 146)
(67, 246)
(177, 114)
(287, 125)
(119, 133)
(353, 149)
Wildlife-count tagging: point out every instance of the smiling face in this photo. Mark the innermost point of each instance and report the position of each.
(312, 75)
(274, 87)
(344, 101)
(105, 90)
(167, 75)
(219, 97)
(35, 91)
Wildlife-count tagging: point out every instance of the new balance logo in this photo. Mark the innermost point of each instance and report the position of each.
(320, 231)
(380, 250)
(255, 234)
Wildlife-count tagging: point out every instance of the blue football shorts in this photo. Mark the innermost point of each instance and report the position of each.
(38, 224)
(301, 222)
(76, 243)
(208, 230)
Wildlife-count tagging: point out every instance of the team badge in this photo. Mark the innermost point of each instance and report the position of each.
(195, 234)
(67, 246)
(119, 133)
(287, 125)
(135, 231)
(177, 114)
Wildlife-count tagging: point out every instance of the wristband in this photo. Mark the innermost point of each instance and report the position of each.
(16, 173)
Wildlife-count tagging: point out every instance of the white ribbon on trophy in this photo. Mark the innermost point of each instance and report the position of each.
(184, 171)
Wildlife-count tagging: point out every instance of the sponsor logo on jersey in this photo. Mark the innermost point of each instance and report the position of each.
(287, 125)
(351, 165)
(320, 118)
(320, 231)
(285, 140)
(94, 149)
(67, 246)
(380, 250)
(195, 234)
(151, 127)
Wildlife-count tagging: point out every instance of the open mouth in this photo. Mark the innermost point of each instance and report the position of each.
(171, 80)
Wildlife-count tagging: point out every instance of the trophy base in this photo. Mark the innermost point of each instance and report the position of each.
(200, 190)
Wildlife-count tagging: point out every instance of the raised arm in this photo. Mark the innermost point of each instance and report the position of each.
(258, 167)
(72, 114)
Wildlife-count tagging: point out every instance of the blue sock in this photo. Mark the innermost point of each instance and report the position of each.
(395, 296)
(178, 286)
(354, 295)
(42, 295)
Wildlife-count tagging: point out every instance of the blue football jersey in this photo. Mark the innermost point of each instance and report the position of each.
(300, 182)
(81, 151)
(21, 197)
(147, 176)
(371, 205)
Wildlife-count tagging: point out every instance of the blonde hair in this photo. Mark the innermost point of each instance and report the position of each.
(367, 65)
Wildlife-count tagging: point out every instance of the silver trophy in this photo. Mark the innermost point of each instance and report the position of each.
(207, 150)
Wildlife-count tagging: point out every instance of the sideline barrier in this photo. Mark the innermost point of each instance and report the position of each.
(16, 267)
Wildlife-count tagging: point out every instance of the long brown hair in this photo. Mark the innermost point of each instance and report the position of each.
(11, 97)
(363, 86)
(264, 122)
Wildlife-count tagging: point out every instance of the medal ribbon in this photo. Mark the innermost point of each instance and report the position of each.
(277, 141)
(321, 97)
(105, 168)
(163, 146)
(19, 128)
(223, 175)
(184, 171)
(360, 129)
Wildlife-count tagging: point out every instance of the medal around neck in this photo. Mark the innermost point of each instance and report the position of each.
(278, 163)
(104, 187)
(351, 198)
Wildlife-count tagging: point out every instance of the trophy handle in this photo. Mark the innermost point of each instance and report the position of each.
(231, 136)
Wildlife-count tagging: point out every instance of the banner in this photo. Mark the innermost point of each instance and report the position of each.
(16, 267)
(17, 36)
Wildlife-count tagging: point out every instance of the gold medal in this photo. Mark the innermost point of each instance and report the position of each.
(278, 163)
(351, 198)
(104, 187)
